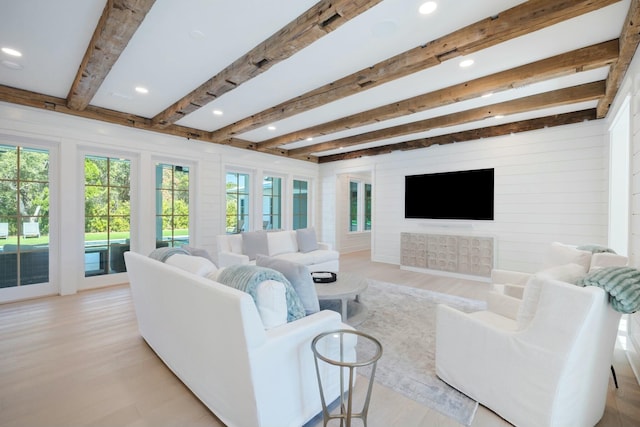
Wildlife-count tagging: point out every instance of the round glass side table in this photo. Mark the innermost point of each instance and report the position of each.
(345, 350)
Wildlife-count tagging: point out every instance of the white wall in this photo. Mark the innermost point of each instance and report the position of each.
(550, 185)
(70, 138)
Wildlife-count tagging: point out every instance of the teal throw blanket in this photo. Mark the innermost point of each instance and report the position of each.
(162, 254)
(246, 278)
(622, 284)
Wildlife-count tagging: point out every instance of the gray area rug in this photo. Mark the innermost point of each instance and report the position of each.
(403, 320)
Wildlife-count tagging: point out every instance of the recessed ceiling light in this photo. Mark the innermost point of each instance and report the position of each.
(141, 89)
(466, 63)
(499, 116)
(310, 139)
(12, 52)
(428, 7)
(217, 112)
(487, 95)
(271, 128)
(12, 65)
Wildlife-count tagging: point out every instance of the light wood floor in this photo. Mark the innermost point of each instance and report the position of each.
(79, 361)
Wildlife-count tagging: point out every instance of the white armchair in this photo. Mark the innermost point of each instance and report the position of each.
(548, 366)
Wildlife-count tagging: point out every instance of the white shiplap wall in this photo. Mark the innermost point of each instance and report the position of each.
(550, 185)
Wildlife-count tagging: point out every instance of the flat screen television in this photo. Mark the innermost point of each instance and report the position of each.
(465, 195)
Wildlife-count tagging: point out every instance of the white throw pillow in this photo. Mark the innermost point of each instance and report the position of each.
(194, 264)
(530, 300)
(272, 303)
(281, 242)
(235, 243)
(560, 254)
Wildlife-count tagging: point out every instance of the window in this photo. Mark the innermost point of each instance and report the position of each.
(353, 206)
(300, 204)
(237, 209)
(24, 216)
(367, 207)
(271, 203)
(107, 214)
(172, 205)
(359, 206)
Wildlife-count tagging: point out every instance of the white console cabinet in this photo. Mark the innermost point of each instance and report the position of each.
(466, 255)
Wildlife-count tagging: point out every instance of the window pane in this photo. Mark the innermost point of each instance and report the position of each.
(8, 198)
(34, 165)
(8, 163)
(95, 171)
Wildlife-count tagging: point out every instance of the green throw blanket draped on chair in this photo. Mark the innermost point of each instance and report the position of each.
(622, 284)
(246, 278)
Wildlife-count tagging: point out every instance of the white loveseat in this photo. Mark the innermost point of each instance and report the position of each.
(300, 246)
(212, 337)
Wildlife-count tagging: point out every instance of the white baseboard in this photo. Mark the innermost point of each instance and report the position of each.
(447, 274)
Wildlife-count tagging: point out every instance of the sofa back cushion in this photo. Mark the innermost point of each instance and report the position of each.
(254, 243)
(300, 278)
(560, 254)
(307, 240)
(281, 242)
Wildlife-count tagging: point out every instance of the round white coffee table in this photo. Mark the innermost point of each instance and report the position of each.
(346, 289)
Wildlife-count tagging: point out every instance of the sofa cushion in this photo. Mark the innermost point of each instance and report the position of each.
(306, 238)
(254, 243)
(281, 242)
(299, 277)
(315, 257)
(271, 301)
(194, 264)
(570, 273)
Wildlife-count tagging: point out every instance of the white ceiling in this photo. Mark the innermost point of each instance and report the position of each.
(181, 44)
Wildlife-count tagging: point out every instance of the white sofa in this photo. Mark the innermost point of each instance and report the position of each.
(300, 246)
(212, 337)
(548, 366)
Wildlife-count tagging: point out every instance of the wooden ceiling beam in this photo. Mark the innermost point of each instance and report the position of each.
(59, 105)
(629, 40)
(119, 21)
(319, 20)
(525, 18)
(571, 95)
(470, 135)
(579, 60)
